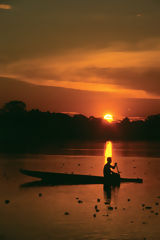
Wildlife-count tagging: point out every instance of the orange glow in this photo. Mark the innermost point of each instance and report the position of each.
(108, 150)
(72, 69)
(108, 117)
(5, 6)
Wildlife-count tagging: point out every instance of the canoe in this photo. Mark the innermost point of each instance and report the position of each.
(73, 179)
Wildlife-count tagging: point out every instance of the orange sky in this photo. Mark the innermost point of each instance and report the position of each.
(108, 47)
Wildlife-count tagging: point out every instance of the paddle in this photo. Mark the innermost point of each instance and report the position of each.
(117, 169)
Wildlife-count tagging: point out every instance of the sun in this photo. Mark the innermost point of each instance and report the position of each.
(108, 117)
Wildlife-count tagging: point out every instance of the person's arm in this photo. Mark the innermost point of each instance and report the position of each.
(113, 167)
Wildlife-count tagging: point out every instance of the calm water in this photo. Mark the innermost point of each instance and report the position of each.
(29, 216)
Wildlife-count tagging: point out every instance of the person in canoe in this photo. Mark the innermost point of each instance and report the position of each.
(107, 168)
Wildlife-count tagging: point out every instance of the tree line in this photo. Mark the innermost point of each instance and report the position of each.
(23, 130)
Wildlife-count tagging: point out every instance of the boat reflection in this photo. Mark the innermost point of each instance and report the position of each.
(42, 183)
(110, 191)
(39, 183)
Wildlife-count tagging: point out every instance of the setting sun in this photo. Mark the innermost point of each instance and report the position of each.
(108, 117)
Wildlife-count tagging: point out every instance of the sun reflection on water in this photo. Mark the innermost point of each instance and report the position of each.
(108, 150)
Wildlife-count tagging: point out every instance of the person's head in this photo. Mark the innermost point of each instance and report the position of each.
(109, 160)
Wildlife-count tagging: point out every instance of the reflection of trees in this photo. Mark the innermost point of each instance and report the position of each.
(27, 130)
(11, 165)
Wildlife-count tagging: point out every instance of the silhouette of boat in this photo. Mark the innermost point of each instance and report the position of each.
(73, 179)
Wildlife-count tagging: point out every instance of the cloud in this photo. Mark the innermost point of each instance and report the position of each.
(5, 6)
(83, 24)
(127, 73)
(146, 79)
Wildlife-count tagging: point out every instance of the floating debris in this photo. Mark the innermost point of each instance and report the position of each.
(148, 207)
(40, 194)
(156, 213)
(106, 203)
(97, 210)
(66, 213)
(129, 199)
(7, 201)
(98, 199)
(80, 201)
(94, 215)
(110, 208)
(157, 203)
(143, 204)
(96, 207)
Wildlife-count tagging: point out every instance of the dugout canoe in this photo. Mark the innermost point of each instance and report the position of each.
(73, 179)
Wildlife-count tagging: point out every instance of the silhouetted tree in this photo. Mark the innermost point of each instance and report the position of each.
(29, 130)
(14, 107)
(125, 121)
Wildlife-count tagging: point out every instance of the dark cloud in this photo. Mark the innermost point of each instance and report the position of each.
(52, 27)
(147, 79)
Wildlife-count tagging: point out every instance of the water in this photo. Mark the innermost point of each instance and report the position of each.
(30, 216)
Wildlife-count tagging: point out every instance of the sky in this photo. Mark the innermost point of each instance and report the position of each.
(85, 56)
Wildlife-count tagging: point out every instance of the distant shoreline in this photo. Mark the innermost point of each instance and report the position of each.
(33, 131)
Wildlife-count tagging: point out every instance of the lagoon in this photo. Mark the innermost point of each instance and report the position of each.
(131, 211)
